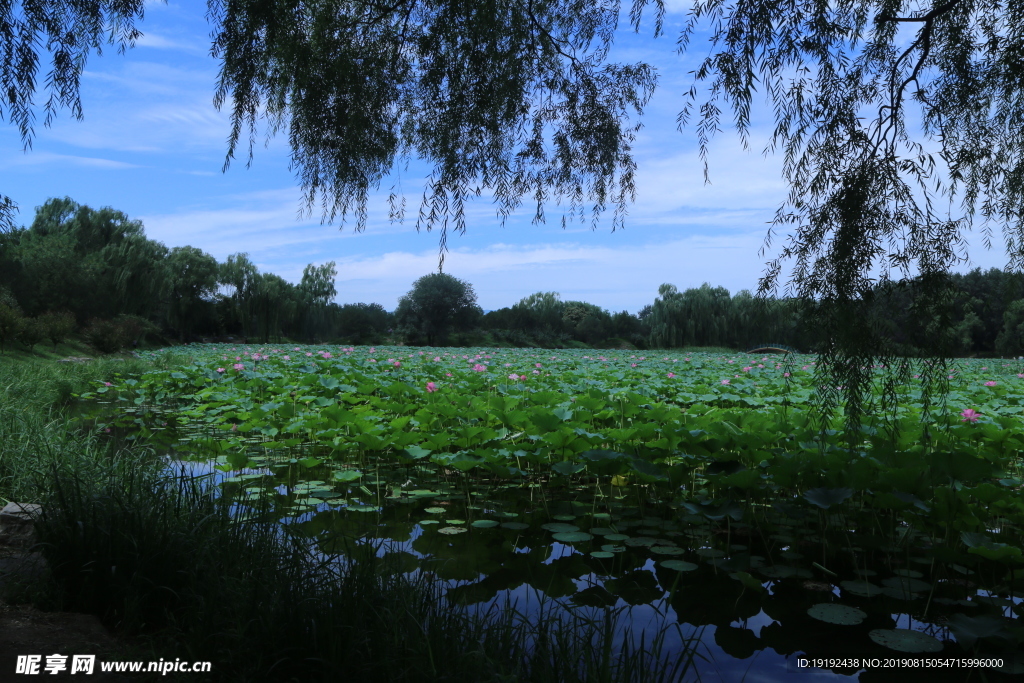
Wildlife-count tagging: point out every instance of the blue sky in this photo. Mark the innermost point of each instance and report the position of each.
(152, 145)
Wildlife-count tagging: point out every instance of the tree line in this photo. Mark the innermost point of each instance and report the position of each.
(96, 271)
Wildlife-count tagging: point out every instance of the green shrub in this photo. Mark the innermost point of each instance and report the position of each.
(57, 326)
(32, 332)
(135, 328)
(11, 322)
(106, 336)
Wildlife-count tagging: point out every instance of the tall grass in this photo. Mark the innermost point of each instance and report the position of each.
(167, 563)
(163, 557)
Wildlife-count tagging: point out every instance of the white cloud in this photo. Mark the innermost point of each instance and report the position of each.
(41, 158)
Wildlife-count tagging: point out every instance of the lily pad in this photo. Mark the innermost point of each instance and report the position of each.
(678, 565)
(559, 527)
(435, 511)
(969, 629)
(428, 521)
(451, 530)
(667, 550)
(615, 537)
(782, 571)
(572, 537)
(564, 518)
(863, 589)
(602, 554)
(834, 613)
(907, 585)
(640, 540)
(484, 524)
(908, 573)
(826, 498)
(905, 640)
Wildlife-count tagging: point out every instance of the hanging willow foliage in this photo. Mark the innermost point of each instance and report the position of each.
(840, 77)
(512, 97)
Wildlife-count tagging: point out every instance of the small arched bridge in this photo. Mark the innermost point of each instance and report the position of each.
(773, 348)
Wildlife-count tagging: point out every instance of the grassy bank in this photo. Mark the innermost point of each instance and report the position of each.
(166, 566)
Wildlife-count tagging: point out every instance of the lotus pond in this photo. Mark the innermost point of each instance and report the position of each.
(693, 486)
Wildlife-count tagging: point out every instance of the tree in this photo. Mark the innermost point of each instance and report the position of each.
(58, 326)
(95, 262)
(193, 279)
(32, 332)
(11, 319)
(274, 300)
(1011, 339)
(317, 290)
(436, 304)
(241, 277)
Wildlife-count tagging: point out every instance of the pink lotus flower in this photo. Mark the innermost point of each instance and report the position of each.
(536, 365)
(326, 354)
(107, 384)
(479, 368)
(513, 376)
(309, 355)
(522, 377)
(238, 366)
(632, 365)
(747, 369)
(437, 359)
(725, 381)
(397, 364)
(431, 387)
(447, 374)
(785, 374)
(969, 415)
(234, 428)
(220, 369)
(286, 357)
(536, 372)
(671, 374)
(990, 383)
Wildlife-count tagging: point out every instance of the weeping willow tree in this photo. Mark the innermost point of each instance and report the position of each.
(881, 109)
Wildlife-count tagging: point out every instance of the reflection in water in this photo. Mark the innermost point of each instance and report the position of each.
(741, 592)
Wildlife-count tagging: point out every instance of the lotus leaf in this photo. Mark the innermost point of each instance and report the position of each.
(834, 613)
(905, 640)
(678, 565)
(484, 524)
(861, 588)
